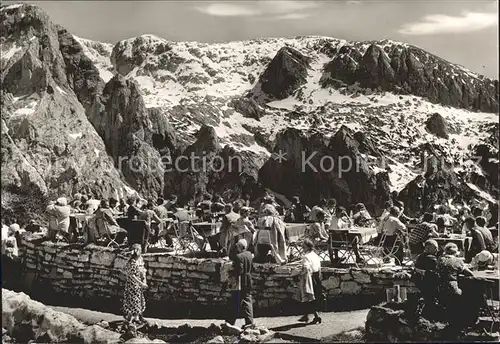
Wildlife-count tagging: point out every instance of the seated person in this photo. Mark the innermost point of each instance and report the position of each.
(160, 208)
(217, 204)
(441, 226)
(133, 210)
(299, 211)
(489, 242)
(172, 204)
(76, 203)
(321, 207)
(361, 217)
(425, 277)
(122, 207)
(484, 260)
(421, 233)
(316, 231)
(402, 216)
(106, 223)
(268, 206)
(448, 269)
(342, 222)
(113, 206)
(442, 212)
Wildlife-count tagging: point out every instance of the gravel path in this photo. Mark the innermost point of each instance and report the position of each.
(333, 324)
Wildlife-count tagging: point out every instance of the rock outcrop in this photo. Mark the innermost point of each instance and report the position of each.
(205, 166)
(437, 125)
(410, 70)
(284, 74)
(25, 320)
(313, 168)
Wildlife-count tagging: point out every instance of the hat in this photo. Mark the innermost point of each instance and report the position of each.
(484, 258)
(62, 201)
(14, 228)
(242, 243)
(451, 248)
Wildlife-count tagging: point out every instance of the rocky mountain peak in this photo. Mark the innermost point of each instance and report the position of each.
(68, 101)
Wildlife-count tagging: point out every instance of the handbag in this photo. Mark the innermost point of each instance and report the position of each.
(234, 283)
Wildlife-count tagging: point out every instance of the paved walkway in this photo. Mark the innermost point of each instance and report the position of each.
(288, 327)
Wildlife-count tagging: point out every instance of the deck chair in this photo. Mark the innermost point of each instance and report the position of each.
(341, 240)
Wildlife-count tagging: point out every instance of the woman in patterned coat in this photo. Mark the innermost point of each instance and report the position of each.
(134, 302)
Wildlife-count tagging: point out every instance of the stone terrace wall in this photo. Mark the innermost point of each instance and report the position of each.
(97, 272)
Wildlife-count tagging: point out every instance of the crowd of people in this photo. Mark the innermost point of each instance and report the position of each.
(259, 234)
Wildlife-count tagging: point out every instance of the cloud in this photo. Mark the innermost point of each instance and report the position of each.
(441, 24)
(228, 10)
(257, 8)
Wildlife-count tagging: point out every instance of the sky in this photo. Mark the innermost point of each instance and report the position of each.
(463, 32)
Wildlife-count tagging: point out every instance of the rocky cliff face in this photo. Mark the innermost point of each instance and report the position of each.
(49, 144)
(314, 167)
(407, 69)
(79, 115)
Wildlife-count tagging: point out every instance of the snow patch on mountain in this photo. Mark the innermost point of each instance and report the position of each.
(100, 54)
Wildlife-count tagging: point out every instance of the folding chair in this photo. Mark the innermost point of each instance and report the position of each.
(340, 240)
(188, 239)
(109, 239)
(322, 250)
(381, 254)
(295, 251)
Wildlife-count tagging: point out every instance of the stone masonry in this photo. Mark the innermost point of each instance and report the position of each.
(95, 271)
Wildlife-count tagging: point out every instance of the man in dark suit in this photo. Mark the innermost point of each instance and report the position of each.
(242, 299)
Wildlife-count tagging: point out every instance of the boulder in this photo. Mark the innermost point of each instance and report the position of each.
(248, 107)
(437, 125)
(256, 335)
(25, 319)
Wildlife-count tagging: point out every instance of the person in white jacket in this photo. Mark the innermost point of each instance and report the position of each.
(59, 218)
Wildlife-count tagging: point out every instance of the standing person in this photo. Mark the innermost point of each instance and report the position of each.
(395, 235)
(228, 221)
(243, 229)
(59, 218)
(134, 302)
(149, 216)
(241, 299)
(384, 216)
(311, 289)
